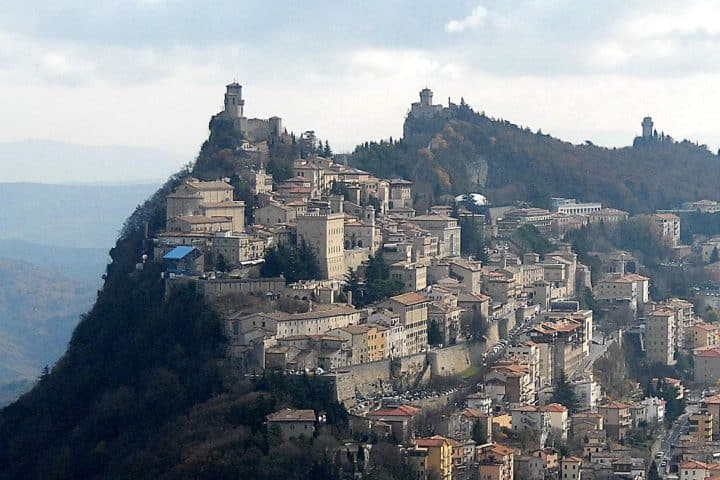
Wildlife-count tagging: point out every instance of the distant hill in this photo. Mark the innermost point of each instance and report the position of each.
(58, 162)
(39, 308)
(463, 151)
(83, 264)
(86, 216)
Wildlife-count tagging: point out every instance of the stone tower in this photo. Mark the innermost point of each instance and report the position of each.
(234, 104)
(426, 97)
(647, 128)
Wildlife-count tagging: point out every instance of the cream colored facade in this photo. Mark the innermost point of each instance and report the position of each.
(660, 337)
(194, 199)
(703, 335)
(412, 308)
(314, 322)
(325, 233)
(439, 455)
(668, 226)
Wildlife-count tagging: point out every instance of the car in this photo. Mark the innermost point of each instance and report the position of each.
(660, 454)
(663, 463)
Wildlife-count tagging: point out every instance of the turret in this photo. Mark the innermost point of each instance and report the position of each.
(426, 97)
(647, 128)
(234, 104)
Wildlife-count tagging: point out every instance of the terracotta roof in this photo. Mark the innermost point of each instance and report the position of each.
(715, 399)
(434, 441)
(572, 460)
(554, 407)
(500, 449)
(410, 298)
(705, 326)
(614, 405)
(400, 411)
(291, 415)
(709, 352)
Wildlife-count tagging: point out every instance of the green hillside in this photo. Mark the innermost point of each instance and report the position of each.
(464, 151)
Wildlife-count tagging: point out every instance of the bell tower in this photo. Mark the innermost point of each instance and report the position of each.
(234, 104)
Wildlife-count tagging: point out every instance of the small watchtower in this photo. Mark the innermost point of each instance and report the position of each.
(234, 104)
(426, 97)
(647, 128)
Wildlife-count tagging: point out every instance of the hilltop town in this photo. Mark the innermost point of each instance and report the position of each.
(482, 341)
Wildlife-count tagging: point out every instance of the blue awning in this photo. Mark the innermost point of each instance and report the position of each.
(178, 253)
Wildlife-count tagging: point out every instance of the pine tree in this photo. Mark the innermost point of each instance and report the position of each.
(327, 151)
(714, 257)
(653, 473)
(564, 393)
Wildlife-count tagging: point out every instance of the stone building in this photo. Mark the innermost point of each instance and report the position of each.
(325, 233)
(293, 423)
(412, 308)
(254, 129)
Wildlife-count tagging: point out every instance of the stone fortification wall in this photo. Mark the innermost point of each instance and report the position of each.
(379, 378)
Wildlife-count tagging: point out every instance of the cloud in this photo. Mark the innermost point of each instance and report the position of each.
(475, 20)
(687, 19)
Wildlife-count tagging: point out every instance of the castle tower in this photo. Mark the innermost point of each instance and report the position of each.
(234, 104)
(647, 128)
(426, 97)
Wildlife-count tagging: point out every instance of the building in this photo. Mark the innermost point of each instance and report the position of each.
(292, 423)
(399, 418)
(647, 128)
(694, 470)
(184, 260)
(325, 234)
(701, 426)
(400, 194)
(616, 418)
(439, 455)
(654, 409)
(712, 406)
(315, 322)
(412, 308)
(702, 335)
(668, 226)
(557, 418)
(535, 419)
(573, 207)
(607, 216)
(660, 337)
(571, 468)
(446, 229)
(425, 108)
(253, 129)
(496, 462)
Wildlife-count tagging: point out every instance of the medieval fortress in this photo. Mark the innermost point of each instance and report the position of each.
(252, 129)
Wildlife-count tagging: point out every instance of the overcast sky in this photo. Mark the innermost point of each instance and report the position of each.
(151, 72)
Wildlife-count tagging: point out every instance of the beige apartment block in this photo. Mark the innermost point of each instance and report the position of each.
(325, 233)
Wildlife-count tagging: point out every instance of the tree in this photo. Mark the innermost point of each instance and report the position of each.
(653, 473)
(564, 393)
(434, 336)
(327, 151)
(221, 265)
(292, 261)
(714, 257)
(479, 435)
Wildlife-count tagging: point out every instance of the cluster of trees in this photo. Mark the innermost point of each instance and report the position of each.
(294, 262)
(376, 284)
(529, 239)
(522, 165)
(674, 406)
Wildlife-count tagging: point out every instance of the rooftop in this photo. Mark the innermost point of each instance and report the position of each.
(410, 298)
(291, 415)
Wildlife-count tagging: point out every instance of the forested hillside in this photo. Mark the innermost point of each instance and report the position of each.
(39, 309)
(464, 151)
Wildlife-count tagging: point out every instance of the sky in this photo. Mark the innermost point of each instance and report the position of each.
(150, 73)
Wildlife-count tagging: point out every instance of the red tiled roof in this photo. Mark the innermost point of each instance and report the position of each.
(410, 298)
(434, 441)
(400, 411)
